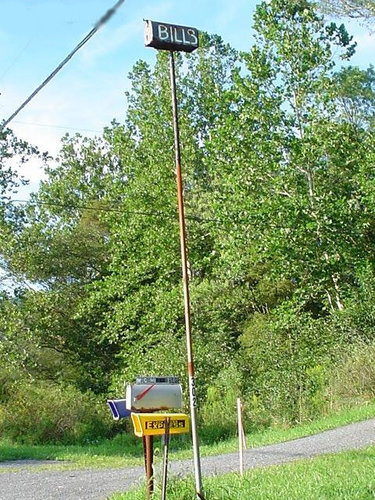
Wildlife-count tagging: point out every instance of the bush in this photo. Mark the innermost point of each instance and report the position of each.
(42, 412)
(219, 414)
(287, 357)
(352, 380)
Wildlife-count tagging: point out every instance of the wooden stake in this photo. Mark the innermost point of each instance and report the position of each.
(165, 459)
(241, 434)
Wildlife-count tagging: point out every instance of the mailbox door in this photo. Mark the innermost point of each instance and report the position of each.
(151, 397)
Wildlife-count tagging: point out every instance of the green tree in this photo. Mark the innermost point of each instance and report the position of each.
(287, 185)
(13, 153)
(292, 189)
(354, 92)
(56, 244)
(141, 299)
(356, 9)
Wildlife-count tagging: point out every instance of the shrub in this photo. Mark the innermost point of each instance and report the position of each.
(43, 412)
(219, 417)
(352, 379)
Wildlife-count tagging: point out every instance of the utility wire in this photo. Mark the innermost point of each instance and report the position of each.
(171, 215)
(96, 27)
(95, 209)
(58, 126)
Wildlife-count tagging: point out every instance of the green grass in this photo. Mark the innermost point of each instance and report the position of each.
(125, 450)
(121, 451)
(345, 476)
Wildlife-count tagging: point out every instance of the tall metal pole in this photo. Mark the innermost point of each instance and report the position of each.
(165, 459)
(185, 278)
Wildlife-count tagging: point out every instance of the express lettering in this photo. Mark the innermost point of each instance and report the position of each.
(160, 424)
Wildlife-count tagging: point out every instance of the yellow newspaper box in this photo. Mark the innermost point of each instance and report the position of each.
(153, 424)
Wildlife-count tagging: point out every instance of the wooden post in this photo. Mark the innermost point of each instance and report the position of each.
(241, 435)
(165, 459)
(148, 450)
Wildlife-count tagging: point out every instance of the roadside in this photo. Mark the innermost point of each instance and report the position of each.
(125, 450)
(89, 484)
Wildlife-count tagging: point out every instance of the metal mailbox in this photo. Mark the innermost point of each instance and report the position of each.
(166, 36)
(154, 393)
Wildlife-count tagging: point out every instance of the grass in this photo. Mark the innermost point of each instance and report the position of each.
(344, 476)
(121, 451)
(125, 450)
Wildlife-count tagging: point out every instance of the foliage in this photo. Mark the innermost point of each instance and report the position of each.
(351, 382)
(11, 148)
(357, 9)
(217, 412)
(13, 152)
(354, 90)
(47, 413)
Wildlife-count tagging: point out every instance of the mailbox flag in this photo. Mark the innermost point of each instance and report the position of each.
(118, 408)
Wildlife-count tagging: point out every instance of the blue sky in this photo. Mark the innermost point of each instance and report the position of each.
(36, 35)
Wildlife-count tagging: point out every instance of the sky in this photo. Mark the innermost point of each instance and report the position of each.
(88, 93)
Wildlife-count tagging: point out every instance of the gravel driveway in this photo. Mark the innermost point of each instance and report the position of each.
(29, 483)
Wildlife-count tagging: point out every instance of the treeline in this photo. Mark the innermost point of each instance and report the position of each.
(278, 165)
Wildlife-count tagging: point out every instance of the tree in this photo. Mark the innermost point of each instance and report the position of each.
(291, 168)
(291, 188)
(277, 157)
(141, 298)
(356, 9)
(13, 152)
(101, 235)
(55, 245)
(354, 92)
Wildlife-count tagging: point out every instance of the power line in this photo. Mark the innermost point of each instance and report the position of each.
(15, 59)
(218, 223)
(96, 27)
(87, 207)
(115, 209)
(58, 126)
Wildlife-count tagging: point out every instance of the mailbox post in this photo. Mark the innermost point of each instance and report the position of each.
(143, 399)
(180, 38)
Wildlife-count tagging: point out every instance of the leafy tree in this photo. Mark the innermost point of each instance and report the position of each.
(277, 157)
(291, 186)
(354, 92)
(13, 152)
(141, 298)
(284, 182)
(56, 245)
(357, 9)
(10, 147)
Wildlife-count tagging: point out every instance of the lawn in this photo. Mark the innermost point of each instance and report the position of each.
(344, 476)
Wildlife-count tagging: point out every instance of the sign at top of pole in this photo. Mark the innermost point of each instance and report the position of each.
(170, 37)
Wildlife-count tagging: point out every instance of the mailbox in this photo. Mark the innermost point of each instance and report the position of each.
(171, 36)
(154, 393)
